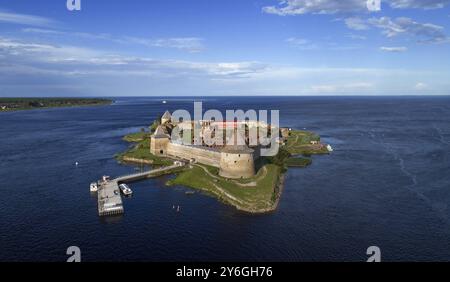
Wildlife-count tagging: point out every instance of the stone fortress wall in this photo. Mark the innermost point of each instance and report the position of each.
(200, 154)
(233, 161)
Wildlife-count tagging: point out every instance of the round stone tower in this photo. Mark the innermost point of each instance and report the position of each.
(237, 162)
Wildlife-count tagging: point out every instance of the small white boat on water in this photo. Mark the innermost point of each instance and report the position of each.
(125, 189)
(94, 187)
(329, 148)
(164, 102)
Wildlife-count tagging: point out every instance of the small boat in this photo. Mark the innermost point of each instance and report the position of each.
(329, 148)
(125, 189)
(94, 187)
(164, 102)
(178, 209)
(189, 192)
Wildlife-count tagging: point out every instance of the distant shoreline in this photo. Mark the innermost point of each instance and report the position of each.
(24, 104)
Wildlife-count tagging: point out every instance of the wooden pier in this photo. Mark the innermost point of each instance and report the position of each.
(108, 195)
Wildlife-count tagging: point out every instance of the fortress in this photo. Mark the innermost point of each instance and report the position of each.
(235, 158)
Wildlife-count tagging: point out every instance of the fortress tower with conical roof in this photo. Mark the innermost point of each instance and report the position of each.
(159, 141)
(167, 117)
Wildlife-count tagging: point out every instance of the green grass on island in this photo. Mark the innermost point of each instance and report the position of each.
(137, 137)
(301, 143)
(18, 104)
(252, 195)
(298, 162)
(258, 194)
(140, 152)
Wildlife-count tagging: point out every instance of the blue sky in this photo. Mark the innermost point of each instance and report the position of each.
(224, 47)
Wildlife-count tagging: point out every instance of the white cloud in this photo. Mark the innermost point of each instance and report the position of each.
(23, 19)
(342, 88)
(42, 31)
(190, 44)
(425, 32)
(356, 36)
(85, 70)
(78, 60)
(43, 52)
(356, 23)
(424, 4)
(300, 7)
(420, 86)
(394, 49)
(83, 35)
(305, 44)
(302, 44)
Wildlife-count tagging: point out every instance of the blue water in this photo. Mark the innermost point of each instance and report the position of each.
(387, 184)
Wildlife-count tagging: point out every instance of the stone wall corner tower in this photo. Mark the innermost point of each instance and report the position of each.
(158, 142)
(237, 160)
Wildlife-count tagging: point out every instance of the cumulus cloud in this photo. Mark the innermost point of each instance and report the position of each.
(394, 49)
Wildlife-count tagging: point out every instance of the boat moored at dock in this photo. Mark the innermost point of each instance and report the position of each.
(108, 196)
(93, 187)
(125, 189)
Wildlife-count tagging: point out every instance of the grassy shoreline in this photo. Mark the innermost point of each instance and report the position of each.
(257, 195)
(23, 104)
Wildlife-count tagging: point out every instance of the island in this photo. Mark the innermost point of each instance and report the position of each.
(17, 104)
(235, 174)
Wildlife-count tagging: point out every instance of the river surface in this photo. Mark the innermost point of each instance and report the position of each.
(387, 184)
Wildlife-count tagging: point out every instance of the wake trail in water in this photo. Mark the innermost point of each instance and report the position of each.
(413, 186)
(441, 137)
(413, 177)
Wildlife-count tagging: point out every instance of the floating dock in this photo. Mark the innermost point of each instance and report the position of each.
(109, 199)
(108, 195)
